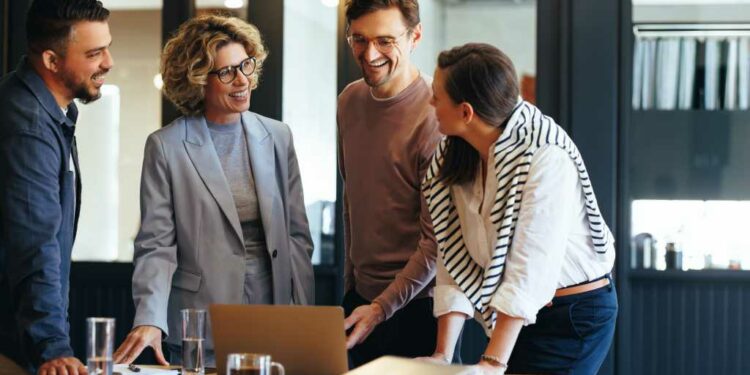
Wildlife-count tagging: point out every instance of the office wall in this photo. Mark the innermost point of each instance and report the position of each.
(135, 48)
(719, 12)
(98, 138)
(432, 14)
(309, 91)
(506, 25)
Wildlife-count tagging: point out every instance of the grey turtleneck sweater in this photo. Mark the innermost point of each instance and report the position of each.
(231, 147)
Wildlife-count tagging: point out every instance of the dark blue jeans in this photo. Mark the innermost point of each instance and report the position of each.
(572, 336)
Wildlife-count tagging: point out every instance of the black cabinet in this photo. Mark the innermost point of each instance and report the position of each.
(689, 155)
(684, 179)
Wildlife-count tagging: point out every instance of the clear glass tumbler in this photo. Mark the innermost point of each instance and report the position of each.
(100, 341)
(193, 338)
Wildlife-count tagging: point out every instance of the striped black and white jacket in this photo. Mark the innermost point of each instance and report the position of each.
(513, 152)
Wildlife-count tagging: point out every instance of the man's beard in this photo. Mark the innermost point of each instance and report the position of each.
(385, 78)
(79, 89)
(374, 83)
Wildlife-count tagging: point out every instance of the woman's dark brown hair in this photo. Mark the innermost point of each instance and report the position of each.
(483, 76)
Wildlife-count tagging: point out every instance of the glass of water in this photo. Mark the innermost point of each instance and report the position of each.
(100, 340)
(252, 364)
(193, 336)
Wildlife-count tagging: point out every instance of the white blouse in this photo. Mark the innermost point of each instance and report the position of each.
(551, 248)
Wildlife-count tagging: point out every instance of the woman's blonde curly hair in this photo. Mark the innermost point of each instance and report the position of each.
(189, 56)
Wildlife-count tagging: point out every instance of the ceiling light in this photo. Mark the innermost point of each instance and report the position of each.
(158, 83)
(234, 4)
(330, 3)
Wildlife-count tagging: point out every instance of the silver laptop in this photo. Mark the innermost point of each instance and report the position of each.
(307, 340)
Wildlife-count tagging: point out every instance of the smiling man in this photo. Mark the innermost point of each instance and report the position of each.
(387, 134)
(68, 58)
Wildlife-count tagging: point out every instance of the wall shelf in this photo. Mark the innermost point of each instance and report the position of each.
(691, 154)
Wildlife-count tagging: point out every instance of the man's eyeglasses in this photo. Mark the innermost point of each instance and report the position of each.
(384, 44)
(229, 73)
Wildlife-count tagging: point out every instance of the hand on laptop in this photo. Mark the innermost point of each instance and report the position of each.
(364, 319)
(138, 339)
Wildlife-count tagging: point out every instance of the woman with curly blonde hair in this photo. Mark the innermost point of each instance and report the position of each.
(222, 213)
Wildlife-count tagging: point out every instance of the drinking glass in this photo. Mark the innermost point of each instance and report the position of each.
(100, 339)
(193, 337)
(252, 364)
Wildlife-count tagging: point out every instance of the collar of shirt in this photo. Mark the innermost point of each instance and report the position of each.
(37, 87)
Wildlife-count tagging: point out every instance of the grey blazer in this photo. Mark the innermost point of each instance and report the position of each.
(189, 251)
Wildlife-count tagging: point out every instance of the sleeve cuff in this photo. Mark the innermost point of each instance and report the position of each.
(388, 309)
(449, 298)
(512, 302)
(56, 349)
(145, 319)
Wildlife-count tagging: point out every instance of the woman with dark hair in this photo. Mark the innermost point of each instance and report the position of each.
(522, 245)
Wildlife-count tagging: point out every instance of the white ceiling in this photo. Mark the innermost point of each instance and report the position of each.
(689, 2)
(155, 4)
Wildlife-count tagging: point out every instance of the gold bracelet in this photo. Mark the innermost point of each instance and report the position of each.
(494, 361)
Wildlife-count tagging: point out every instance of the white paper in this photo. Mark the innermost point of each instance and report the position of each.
(637, 72)
(649, 73)
(687, 73)
(667, 73)
(730, 88)
(744, 74)
(145, 370)
(711, 93)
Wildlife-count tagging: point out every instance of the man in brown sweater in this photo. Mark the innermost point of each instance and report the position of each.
(387, 135)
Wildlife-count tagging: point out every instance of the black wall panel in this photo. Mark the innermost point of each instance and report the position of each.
(683, 325)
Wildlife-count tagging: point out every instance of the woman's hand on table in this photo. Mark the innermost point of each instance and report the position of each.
(485, 368)
(437, 358)
(138, 339)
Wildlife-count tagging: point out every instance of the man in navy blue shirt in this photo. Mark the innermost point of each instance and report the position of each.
(40, 186)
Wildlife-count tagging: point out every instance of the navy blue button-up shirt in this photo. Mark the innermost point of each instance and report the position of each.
(39, 206)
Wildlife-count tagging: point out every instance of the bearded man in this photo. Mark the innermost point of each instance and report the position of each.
(40, 185)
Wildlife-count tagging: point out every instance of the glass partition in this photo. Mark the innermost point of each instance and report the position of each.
(508, 25)
(309, 107)
(111, 135)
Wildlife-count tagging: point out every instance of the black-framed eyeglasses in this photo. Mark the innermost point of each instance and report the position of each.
(384, 44)
(227, 74)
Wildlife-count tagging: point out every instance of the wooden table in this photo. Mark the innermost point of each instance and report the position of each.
(9, 367)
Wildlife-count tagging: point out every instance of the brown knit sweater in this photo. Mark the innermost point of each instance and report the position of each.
(385, 146)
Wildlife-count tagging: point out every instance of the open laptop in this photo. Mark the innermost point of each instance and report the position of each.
(307, 340)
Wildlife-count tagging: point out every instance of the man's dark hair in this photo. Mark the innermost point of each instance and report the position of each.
(358, 8)
(483, 76)
(49, 22)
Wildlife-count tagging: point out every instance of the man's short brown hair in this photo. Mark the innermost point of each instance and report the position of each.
(358, 8)
(49, 22)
